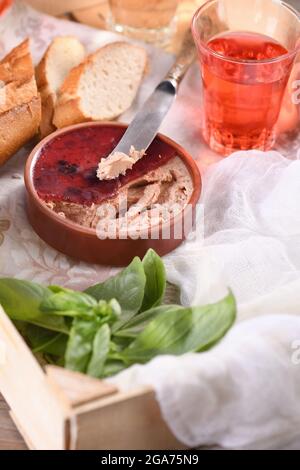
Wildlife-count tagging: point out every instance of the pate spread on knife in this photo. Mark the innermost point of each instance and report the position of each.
(118, 163)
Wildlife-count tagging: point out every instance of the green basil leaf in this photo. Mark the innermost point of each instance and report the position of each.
(127, 287)
(138, 323)
(108, 311)
(182, 330)
(68, 303)
(112, 367)
(101, 346)
(21, 301)
(155, 280)
(122, 342)
(46, 341)
(57, 289)
(57, 346)
(80, 344)
(52, 322)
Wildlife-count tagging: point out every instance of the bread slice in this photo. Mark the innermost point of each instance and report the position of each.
(20, 104)
(103, 86)
(63, 54)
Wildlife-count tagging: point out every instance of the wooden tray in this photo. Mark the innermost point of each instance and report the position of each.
(55, 409)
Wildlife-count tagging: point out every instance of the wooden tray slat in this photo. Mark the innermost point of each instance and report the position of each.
(25, 388)
(60, 409)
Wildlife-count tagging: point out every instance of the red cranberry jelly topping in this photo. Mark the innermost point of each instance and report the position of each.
(66, 167)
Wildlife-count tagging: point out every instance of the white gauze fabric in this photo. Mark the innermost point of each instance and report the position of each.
(245, 392)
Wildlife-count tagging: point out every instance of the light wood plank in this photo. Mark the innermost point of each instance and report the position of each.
(24, 385)
(77, 388)
(128, 421)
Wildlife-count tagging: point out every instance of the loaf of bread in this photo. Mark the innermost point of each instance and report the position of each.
(63, 54)
(103, 86)
(20, 104)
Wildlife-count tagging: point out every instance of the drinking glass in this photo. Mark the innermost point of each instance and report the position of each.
(244, 78)
(148, 20)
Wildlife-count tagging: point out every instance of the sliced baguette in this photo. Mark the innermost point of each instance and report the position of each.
(103, 86)
(62, 55)
(20, 104)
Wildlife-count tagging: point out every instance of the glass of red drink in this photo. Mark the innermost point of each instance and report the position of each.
(246, 50)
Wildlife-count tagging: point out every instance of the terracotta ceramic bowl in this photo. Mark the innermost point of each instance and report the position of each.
(83, 243)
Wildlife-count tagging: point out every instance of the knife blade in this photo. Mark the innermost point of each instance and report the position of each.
(146, 123)
(144, 127)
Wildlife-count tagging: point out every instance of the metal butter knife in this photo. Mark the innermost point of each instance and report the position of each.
(147, 122)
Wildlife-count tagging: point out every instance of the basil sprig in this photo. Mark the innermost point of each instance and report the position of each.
(114, 324)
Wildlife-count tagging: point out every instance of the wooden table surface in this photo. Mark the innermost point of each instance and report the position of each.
(10, 438)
